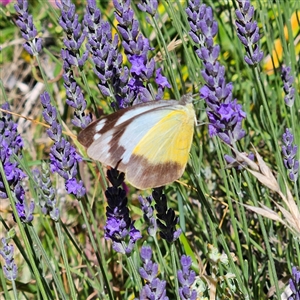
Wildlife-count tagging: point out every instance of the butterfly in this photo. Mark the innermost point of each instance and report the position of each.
(149, 142)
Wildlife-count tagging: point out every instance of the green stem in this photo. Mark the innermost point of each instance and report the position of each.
(161, 259)
(65, 259)
(48, 263)
(174, 270)
(100, 258)
(136, 275)
(14, 289)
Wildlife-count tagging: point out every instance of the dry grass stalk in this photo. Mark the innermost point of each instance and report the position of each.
(291, 215)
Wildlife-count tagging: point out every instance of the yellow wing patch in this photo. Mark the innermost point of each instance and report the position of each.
(170, 139)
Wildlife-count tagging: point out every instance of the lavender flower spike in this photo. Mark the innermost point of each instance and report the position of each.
(289, 153)
(225, 115)
(63, 156)
(119, 228)
(72, 57)
(92, 19)
(75, 37)
(167, 220)
(33, 44)
(149, 6)
(149, 217)
(108, 62)
(154, 287)
(186, 278)
(136, 48)
(11, 144)
(47, 199)
(295, 284)
(248, 32)
(10, 268)
(288, 88)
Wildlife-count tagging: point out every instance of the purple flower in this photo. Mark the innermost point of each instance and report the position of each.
(63, 157)
(75, 99)
(13, 174)
(166, 219)
(33, 45)
(148, 213)
(288, 88)
(72, 57)
(248, 32)
(227, 120)
(154, 287)
(10, 269)
(133, 42)
(186, 278)
(149, 6)
(136, 47)
(74, 36)
(11, 141)
(138, 66)
(113, 77)
(11, 144)
(25, 212)
(289, 152)
(46, 193)
(116, 81)
(92, 19)
(119, 228)
(161, 80)
(137, 87)
(295, 284)
(224, 114)
(75, 187)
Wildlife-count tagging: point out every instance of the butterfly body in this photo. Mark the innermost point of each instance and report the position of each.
(149, 142)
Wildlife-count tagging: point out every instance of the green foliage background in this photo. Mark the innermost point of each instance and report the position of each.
(236, 253)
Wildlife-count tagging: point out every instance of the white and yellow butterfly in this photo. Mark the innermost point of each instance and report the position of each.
(149, 142)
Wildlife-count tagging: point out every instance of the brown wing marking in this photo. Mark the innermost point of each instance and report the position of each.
(141, 174)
